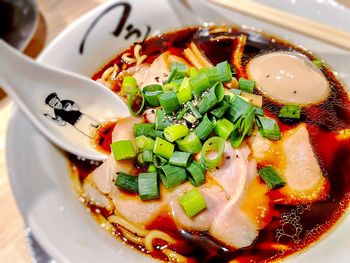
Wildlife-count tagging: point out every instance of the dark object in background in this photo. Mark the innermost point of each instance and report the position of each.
(18, 20)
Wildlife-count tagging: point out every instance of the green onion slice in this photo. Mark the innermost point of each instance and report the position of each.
(318, 63)
(173, 175)
(129, 85)
(199, 84)
(175, 132)
(246, 85)
(192, 202)
(169, 102)
(221, 109)
(271, 177)
(151, 93)
(196, 176)
(173, 86)
(193, 109)
(191, 143)
(212, 74)
(184, 93)
(268, 128)
(144, 143)
(159, 161)
(192, 72)
(290, 111)
(147, 156)
(163, 148)
(127, 182)
(162, 120)
(143, 129)
(238, 108)
(205, 127)
(180, 115)
(136, 102)
(148, 186)
(123, 150)
(212, 153)
(224, 128)
(151, 168)
(181, 159)
(224, 71)
(210, 99)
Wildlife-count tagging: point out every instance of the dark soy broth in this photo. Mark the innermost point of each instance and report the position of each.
(296, 226)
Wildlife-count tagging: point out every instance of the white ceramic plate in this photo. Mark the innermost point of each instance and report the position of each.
(38, 170)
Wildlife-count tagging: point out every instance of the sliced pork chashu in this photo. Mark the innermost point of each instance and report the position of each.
(295, 160)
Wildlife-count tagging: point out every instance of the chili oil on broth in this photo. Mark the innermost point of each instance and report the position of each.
(294, 226)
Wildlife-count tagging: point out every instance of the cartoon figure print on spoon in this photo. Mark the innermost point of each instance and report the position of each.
(64, 106)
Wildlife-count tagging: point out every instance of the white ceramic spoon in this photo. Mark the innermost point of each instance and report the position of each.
(64, 106)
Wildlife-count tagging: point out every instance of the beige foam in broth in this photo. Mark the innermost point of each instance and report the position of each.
(289, 77)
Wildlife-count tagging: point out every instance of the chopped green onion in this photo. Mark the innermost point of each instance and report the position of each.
(180, 115)
(318, 63)
(238, 108)
(129, 84)
(192, 202)
(268, 128)
(140, 158)
(173, 175)
(193, 109)
(196, 176)
(123, 150)
(199, 84)
(127, 182)
(205, 127)
(210, 99)
(159, 161)
(224, 128)
(259, 111)
(191, 143)
(181, 159)
(148, 186)
(212, 74)
(154, 134)
(236, 92)
(143, 129)
(271, 177)
(178, 82)
(151, 94)
(175, 74)
(173, 86)
(175, 132)
(224, 71)
(147, 156)
(236, 138)
(178, 71)
(290, 111)
(207, 102)
(246, 85)
(192, 72)
(161, 120)
(136, 102)
(212, 153)
(244, 126)
(151, 168)
(221, 109)
(144, 143)
(163, 148)
(184, 93)
(169, 102)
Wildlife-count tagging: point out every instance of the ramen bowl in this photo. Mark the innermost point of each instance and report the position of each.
(42, 185)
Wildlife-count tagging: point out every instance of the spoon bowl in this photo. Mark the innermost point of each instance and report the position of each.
(66, 107)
